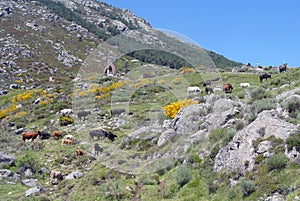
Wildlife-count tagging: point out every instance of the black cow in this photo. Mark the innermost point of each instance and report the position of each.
(282, 68)
(97, 133)
(206, 83)
(110, 136)
(83, 114)
(209, 90)
(45, 135)
(116, 112)
(264, 76)
(97, 149)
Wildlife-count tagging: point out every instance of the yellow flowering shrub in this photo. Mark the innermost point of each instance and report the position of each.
(176, 80)
(172, 109)
(6, 111)
(116, 85)
(161, 82)
(20, 114)
(186, 70)
(141, 82)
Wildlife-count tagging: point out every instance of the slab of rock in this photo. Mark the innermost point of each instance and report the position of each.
(74, 175)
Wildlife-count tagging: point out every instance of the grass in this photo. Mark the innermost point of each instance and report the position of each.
(202, 185)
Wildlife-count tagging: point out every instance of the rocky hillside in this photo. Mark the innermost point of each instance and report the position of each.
(127, 129)
(54, 38)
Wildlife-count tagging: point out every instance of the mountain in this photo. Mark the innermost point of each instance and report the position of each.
(48, 36)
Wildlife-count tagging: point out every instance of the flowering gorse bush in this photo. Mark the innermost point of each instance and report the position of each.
(176, 80)
(172, 109)
(6, 111)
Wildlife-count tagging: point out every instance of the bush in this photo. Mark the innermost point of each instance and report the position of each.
(182, 175)
(240, 125)
(258, 94)
(247, 187)
(64, 120)
(293, 107)
(27, 161)
(172, 109)
(293, 141)
(278, 161)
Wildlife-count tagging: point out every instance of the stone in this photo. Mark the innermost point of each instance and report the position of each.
(30, 182)
(34, 191)
(74, 175)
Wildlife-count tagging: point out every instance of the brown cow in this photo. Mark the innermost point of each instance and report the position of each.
(79, 152)
(56, 135)
(227, 88)
(56, 175)
(66, 141)
(30, 135)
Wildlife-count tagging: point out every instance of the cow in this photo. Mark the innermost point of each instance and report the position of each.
(56, 175)
(209, 90)
(110, 136)
(57, 135)
(69, 137)
(264, 76)
(193, 90)
(206, 83)
(45, 135)
(116, 112)
(65, 112)
(227, 88)
(83, 114)
(97, 149)
(30, 135)
(66, 141)
(80, 152)
(97, 133)
(282, 68)
(244, 85)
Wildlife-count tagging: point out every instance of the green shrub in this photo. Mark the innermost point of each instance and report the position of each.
(259, 93)
(277, 161)
(293, 107)
(293, 141)
(241, 95)
(194, 158)
(264, 105)
(247, 187)
(182, 175)
(259, 159)
(212, 187)
(27, 161)
(231, 194)
(240, 125)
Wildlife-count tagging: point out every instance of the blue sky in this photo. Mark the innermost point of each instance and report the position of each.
(264, 31)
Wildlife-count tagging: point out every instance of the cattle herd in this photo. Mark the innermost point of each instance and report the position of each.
(68, 139)
(227, 87)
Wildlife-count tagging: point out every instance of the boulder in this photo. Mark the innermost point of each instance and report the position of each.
(30, 182)
(74, 175)
(234, 156)
(6, 158)
(166, 136)
(34, 191)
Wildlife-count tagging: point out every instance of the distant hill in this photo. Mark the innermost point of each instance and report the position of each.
(49, 37)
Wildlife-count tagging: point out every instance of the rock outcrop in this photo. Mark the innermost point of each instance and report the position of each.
(240, 151)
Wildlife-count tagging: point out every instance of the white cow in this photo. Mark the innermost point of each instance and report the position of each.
(69, 137)
(244, 85)
(193, 89)
(66, 112)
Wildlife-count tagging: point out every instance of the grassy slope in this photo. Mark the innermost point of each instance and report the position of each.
(99, 179)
